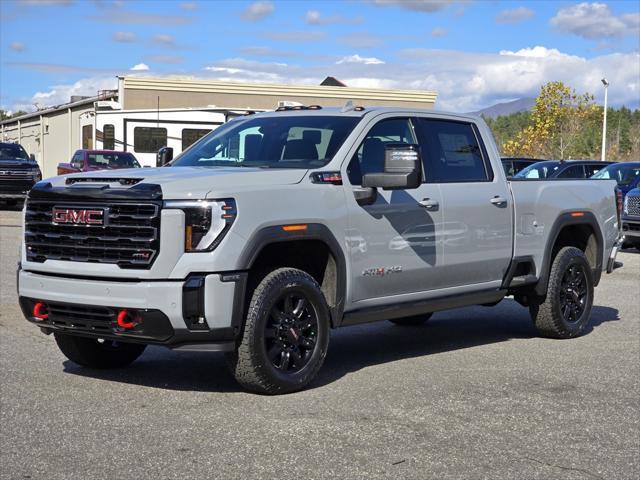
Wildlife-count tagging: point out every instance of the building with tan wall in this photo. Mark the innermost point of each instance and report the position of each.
(53, 134)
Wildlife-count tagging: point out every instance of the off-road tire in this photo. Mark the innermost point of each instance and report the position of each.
(250, 363)
(548, 316)
(89, 352)
(412, 321)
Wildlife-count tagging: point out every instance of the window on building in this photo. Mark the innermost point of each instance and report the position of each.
(149, 139)
(192, 135)
(451, 152)
(109, 137)
(87, 136)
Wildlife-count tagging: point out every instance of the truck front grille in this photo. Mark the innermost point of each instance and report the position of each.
(13, 175)
(128, 237)
(632, 205)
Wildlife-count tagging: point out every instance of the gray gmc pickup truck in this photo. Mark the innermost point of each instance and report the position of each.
(277, 227)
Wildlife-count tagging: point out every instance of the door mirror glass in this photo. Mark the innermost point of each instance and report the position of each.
(402, 168)
(164, 156)
(32, 157)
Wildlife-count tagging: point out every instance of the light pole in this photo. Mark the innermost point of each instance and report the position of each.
(604, 121)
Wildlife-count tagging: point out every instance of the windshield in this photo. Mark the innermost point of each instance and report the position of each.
(621, 173)
(113, 160)
(12, 151)
(289, 141)
(538, 170)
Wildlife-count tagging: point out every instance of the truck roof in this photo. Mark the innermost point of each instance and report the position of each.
(362, 111)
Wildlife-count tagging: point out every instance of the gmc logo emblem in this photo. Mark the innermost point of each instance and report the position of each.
(77, 216)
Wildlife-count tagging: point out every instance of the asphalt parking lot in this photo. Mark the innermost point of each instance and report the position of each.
(473, 394)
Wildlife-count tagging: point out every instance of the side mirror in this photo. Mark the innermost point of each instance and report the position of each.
(164, 156)
(402, 168)
(32, 157)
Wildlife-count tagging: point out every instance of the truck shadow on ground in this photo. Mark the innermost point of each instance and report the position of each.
(351, 349)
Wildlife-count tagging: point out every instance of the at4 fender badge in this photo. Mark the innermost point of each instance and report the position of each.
(381, 271)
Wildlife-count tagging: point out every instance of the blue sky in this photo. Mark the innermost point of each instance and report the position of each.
(473, 53)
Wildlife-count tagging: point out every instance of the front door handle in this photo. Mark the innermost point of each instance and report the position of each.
(429, 204)
(499, 201)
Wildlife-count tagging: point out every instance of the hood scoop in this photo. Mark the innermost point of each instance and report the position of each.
(88, 180)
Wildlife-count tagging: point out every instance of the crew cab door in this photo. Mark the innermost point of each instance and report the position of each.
(476, 204)
(394, 244)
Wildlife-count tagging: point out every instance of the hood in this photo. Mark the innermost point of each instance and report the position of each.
(20, 163)
(195, 182)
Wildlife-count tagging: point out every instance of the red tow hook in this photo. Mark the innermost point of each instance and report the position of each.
(41, 311)
(123, 315)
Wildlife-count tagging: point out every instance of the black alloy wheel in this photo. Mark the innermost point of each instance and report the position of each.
(573, 293)
(291, 332)
(285, 336)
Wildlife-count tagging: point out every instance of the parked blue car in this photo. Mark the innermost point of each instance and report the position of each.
(627, 174)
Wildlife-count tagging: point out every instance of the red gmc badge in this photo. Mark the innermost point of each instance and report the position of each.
(77, 216)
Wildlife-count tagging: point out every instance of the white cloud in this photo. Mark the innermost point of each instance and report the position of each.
(17, 47)
(257, 11)
(189, 6)
(59, 94)
(439, 32)
(314, 17)
(294, 37)
(139, 67)
(428, 6)
(596, 21)
(465, 81)
(124, 37)
(358, 59)
(515, 15)
(164, 40)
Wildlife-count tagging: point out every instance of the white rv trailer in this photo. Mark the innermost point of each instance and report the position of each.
(144, 132)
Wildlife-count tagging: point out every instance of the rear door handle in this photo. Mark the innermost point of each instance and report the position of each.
(499, 201)
(429, 204)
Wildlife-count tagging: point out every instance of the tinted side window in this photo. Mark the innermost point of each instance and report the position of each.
(108, 137)
(149, 139)
(370, 155)
(451, 152)
(593, 169)
(575, 171)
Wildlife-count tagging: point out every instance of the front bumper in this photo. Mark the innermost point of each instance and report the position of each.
(631, 227)
(15, 188)
(89, 306)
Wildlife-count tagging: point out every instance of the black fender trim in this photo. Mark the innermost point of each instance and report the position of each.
(565, 220)
(313, 231)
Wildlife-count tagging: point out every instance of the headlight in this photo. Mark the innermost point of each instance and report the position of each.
(35, 174)
(206, 222)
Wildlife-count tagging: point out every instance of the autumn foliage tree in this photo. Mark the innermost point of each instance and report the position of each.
(556, 126)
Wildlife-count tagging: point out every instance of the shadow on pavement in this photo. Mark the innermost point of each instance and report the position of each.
(351, 349)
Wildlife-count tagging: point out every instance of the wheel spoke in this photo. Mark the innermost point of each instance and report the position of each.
(300, 306)
(284, 360)
(307, 343)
